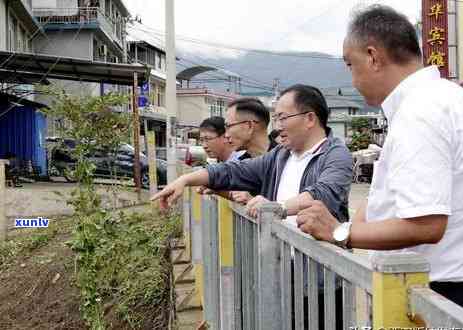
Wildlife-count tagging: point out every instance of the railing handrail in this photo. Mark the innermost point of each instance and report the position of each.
(355, 268)
(254, 288)
(241, 210)
(436, 311)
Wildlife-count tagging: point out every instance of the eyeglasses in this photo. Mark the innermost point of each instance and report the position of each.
(282, 119)
(207, 139)
(227, 126)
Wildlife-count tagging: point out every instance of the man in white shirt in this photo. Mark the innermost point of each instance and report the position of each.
(415, 200)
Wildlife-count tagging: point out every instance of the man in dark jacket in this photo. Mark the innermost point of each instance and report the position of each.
(326, 172)
(309, 164)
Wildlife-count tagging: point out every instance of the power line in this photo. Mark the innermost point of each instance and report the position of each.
(310, 20)
(241, 49)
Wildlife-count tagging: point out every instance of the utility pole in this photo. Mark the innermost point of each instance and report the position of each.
(3, 221)
(136, 137)
(171, 93)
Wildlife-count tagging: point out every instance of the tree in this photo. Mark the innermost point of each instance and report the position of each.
(361, 136)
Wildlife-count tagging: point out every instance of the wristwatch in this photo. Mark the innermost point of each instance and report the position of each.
(341, 234)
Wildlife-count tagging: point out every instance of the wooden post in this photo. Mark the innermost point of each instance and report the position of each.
(151, 142)
(136, 139)
(3, 226)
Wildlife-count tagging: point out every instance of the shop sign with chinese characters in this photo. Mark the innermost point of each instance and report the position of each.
(435, 35)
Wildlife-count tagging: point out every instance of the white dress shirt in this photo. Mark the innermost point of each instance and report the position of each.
(291, 177)
(420, 170)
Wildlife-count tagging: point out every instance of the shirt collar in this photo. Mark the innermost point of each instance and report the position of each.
(235, 155)
(311, 151)
(395, 98)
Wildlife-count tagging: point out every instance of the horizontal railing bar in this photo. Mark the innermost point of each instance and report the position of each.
(435, 310)
(356, 269)
(241, 210)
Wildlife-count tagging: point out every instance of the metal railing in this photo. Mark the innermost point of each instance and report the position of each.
(79, 15)
(263, 274)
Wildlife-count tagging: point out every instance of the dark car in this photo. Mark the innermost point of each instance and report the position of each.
(108, 165)
(189, 155)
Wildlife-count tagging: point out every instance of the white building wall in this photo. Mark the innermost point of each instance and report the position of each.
(192, 110)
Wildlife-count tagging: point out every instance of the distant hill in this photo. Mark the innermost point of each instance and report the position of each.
(258, 70)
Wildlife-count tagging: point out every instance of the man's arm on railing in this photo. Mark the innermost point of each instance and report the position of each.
(361, 213)
(296, 204)
(388, 234)
(332, 185)
(395, 234)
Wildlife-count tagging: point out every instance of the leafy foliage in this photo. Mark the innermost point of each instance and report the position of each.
(120, 258)
(361, 136)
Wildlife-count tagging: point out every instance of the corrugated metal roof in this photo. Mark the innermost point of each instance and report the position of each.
(68, 68)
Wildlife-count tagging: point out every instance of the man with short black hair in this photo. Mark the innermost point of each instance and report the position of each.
(414, 202)
(213, 140)
(246, 126)
(310, 163)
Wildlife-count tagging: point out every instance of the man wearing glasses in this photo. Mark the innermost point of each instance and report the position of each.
(309, 164)
(213, 140)
(246, 126)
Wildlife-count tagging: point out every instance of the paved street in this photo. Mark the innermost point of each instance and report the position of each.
(41, 199)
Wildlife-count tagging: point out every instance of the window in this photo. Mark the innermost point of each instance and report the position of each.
(216, 107)
(12, 33)
(161, 96)
(159, 61)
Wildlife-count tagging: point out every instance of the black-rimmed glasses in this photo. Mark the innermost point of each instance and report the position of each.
(282, 119)
(227, 126)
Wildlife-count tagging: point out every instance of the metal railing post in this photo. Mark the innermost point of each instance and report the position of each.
(269, 285)
(226, 246)
(393, 276)
(196, 246)
(210, 256)
(187, 222)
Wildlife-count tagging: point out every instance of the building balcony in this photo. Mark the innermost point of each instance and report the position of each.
(74, 18)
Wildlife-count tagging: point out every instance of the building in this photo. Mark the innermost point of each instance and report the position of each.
(196, 104)
(42, 49)
(18, 26)
(22, 126)
(341, 110)
(143, 49)
(84, 29)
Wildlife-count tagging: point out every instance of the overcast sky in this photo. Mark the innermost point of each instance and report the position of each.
(291, 25)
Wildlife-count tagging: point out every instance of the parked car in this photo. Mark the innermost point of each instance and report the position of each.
(190, 155)
(62, 162)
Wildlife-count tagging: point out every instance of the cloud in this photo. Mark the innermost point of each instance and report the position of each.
(296, 25)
